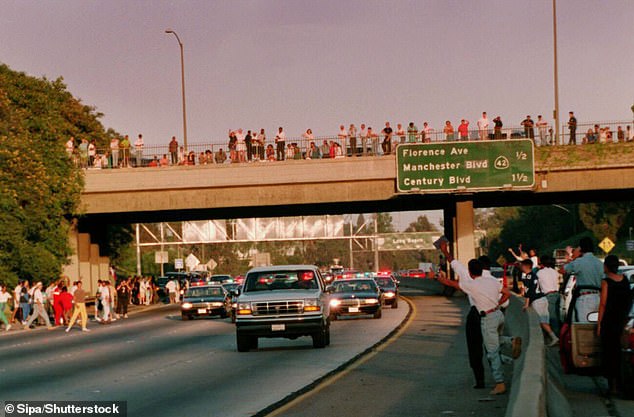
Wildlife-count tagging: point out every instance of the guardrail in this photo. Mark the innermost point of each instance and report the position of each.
(324, 147)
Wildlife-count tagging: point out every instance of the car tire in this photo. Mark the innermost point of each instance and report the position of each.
(233, 318)
(223, 314)
(395, 304)
(321, 338)
(186, 317)
(245, 343)
(378, 314)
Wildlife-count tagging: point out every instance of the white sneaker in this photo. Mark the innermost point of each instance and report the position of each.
(8, 327)
(553, 342)
(85, 329)
(67, 329)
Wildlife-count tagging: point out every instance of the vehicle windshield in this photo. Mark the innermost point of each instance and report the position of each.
(281, 280)
(361, 285)
(204, 292)
(385, 282)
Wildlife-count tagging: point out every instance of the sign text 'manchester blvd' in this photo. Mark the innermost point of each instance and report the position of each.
(453, 166)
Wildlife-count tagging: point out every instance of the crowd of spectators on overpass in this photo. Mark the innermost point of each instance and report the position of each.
(245, 146)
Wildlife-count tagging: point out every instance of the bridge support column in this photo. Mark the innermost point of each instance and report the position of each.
(459, 227)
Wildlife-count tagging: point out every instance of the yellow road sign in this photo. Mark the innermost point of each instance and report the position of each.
(607, 245)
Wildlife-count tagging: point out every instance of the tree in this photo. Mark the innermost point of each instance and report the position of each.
(605, 219)
(422, 224)
(39, 186)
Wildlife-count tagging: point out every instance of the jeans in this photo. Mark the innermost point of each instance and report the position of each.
(492, 325)
(26, 310)
(553, 311)
(585, 305)
(115, 158)
(281, 150)
(38, 311)
(139, 157)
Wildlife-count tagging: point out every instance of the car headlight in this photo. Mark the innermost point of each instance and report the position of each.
(311, 304)
(390, 294)
(217, 304)
(244, 308)
(234, 305)
(187, 306)
(335, 302)
(371, 301)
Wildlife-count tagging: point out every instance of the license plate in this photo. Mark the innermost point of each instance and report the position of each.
(202, 311)
(353, 310)
(278, 327)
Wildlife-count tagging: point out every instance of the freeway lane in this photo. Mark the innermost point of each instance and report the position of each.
(166, 367)
(425, 372)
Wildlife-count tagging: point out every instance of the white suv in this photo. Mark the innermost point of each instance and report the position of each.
(282, 301)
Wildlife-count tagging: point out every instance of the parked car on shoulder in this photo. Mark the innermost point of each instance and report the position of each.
(205, 300)
(287, 301)
(357, 296)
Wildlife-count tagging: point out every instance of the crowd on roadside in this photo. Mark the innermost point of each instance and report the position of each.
(245, 146)
(61, 303)
(600, 289)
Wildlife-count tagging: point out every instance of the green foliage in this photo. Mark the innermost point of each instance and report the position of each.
(422, 224)
(605, 219)
(39, 187)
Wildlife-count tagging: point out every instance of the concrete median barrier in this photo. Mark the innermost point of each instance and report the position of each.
(533, 392)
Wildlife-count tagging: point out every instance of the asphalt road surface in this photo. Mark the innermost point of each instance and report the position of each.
(163, 366)
(423, 372)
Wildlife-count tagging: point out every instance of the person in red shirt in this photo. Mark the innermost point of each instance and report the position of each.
(57, 305)
(66, 301)
(463, 130)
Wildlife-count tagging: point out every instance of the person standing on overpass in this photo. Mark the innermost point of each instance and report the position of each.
(483, 126)
(280, 140)
(589, 272)
(488, 295)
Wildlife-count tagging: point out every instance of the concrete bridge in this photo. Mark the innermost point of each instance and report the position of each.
(349, 185)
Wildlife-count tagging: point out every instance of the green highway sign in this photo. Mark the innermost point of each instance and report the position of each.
(463, 166)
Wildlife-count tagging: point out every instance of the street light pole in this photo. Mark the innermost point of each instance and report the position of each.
(556, 73)
(182, 88)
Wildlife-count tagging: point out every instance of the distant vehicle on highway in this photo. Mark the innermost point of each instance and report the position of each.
(357, 296)
(220, 279)
(389, 289)
(287, 301)
(233, 288)
(205, 300)
(416, 273)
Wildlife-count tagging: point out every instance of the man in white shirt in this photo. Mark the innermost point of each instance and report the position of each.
(542, 127)
(138, 150)
(70, 146)
(280, 140)
(548, 278)
(352, 136)
(38, 308)
(342, 136)
(483, 126)
(114, 151)
(487, 295)
(171, 290)
(363, 135)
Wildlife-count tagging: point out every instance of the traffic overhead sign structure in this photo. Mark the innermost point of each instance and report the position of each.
(459, 166)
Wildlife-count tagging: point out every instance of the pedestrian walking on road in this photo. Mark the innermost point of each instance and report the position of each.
(4, 299)
(488, 295)
(38, 308)
(79, 299)
(616, 301)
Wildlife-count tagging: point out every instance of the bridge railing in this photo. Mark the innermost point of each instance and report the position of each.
(324, 147)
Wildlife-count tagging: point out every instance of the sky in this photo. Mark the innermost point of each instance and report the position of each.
(318, 64)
